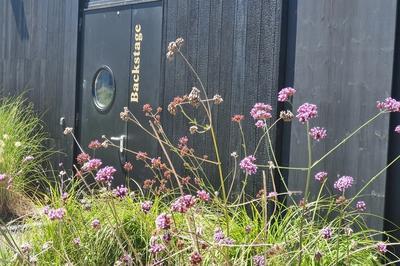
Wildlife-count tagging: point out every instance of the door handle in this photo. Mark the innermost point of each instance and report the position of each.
(121, 140)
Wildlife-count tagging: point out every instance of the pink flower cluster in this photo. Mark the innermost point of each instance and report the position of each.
(285, 93)
(261, 111)
(397, 129)
(361, 206)
(343, 183)
(260, 123)
(146, 206)
(163, 221)
(183, 203)
(195, 258)
(318, 133)
(91, 165)
(326, 233)
(120, 192)
(96, 224)
(306, 111)
(94, 145)
(220, 238)
(258, 260)
(247, 164)
(320, 176)
(155, 247)
(381, 247)
(203, 195)
(2, 177)
(56, 214)
(28, 158)
(389, 105)
(105, 175)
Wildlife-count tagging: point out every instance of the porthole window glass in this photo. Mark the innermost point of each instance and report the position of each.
(103, 88)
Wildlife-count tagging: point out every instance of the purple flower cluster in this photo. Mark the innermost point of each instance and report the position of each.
(258, 260)
(285, 93)
(195, 258)
(56, 214)
(105, 175)
(183, 203)
(220, 238)
(146, 206)
(397, 129)
(326, 233)
(343, 183)
(94, 145)
(261, 111)
(155, 247)
(320, 176)
(77, 241)
(381, 247)
(64, 196)
(163, 221)
(96, 224)
(361, 206)
(26, 248)
(2, 177)
(125, 259)
(389, 105)
(318, 133)
(120, 192)
(260, 123)
(203, 195)
(306, 111)
(28, 159)
(91, 165)
(247, 164)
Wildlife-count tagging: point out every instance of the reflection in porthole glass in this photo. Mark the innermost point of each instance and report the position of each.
(103, 88)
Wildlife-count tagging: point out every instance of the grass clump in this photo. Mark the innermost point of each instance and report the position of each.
(22, 154)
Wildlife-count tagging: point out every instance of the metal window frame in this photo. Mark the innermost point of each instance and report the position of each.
(100, 4)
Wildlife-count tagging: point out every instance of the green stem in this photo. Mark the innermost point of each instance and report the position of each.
(372, 179)
(276, 163)
(306, 192)
(318, 198)
(346, 139)
(309, 163)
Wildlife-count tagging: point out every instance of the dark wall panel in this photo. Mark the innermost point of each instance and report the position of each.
(38, 47)
(343, 63)
(235, 47)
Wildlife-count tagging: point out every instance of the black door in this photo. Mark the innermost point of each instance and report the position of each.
(120, 66)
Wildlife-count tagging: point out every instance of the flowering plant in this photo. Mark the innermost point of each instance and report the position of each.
(179, 216)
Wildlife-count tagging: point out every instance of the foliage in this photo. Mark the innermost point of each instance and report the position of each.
(22, 153)
(173, 219)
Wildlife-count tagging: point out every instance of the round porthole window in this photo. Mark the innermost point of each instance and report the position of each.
(103, 88)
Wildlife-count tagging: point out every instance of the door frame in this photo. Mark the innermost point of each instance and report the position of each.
(85, 6)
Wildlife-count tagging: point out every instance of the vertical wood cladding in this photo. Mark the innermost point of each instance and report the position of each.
(234, 45)
(343, 63)
(38, 48)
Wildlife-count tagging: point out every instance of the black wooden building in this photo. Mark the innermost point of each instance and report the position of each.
(342, 55)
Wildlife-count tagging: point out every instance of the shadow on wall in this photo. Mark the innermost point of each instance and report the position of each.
(20, 18)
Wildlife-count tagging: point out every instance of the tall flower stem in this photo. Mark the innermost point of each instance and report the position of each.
(213, 136)
(309, 163)
(306, 192)
(347, 138)
(338, 233)
(278, 168)
(265, 210)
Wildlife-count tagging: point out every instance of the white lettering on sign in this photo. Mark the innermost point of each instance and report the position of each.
(138, 37)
